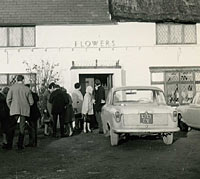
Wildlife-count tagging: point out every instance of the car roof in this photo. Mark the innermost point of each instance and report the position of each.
(136, 88)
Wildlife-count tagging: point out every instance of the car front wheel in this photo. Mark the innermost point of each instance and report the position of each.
(168, 138)
(106, 130)
(114, 138)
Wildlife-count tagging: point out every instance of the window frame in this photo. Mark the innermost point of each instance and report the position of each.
(183, 27)
(21, 34)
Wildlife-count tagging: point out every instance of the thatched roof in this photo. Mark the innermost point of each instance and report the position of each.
(156, 10)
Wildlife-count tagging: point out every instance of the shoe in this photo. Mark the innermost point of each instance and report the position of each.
(55, 136)
(71, 133)
(29, 145)
(21, 147)
(6, 146)
(64, 135)
(46, 134)
(89, 130)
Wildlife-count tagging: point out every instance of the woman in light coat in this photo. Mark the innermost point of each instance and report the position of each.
(87, 109)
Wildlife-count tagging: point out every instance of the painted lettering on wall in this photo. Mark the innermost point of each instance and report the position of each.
(94, 43)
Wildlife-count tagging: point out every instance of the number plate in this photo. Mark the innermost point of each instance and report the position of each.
(146, 118)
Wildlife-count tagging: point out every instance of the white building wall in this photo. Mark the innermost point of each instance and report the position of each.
(133, 44)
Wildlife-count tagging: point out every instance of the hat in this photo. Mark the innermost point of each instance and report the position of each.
(97, 82)
(5, 90)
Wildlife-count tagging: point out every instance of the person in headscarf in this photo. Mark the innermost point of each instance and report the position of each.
(87, 109)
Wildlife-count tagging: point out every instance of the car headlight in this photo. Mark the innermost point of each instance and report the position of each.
(118, 116)
(175, 116)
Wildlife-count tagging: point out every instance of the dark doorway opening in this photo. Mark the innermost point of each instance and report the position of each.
(88, 80)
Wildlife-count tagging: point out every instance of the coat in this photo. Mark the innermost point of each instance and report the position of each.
(99, 97)
(87, 107)
(35, 112)
(59, 101)
(46, 104)
(69, 113)
(77, 99)
(19, 99)
(4, 110)
(4, 113)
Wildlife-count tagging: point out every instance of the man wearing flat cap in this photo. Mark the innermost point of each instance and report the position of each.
(99, 102)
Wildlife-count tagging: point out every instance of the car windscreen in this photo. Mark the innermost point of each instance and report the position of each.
(138, 96)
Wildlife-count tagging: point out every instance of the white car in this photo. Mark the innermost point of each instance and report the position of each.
(189, 115)
(138, 110)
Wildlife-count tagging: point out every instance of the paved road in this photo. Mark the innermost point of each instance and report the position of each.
(90, 156)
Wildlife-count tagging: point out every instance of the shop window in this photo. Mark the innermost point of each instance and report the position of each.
(17, 36)
(176, 34)
(180, 84)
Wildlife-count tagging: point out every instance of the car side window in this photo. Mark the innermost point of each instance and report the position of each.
(198, 100)
(108, 100)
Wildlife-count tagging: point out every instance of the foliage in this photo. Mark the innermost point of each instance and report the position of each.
(45, 73)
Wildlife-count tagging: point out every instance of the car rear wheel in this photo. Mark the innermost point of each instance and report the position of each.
(114, 138)
(168, 138)
(181, 124)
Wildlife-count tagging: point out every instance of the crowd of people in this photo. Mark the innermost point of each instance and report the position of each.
(75, 112)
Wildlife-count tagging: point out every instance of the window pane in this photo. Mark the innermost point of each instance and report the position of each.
(189, 34)
(15, 36)
(157, 77)
(28, 36)
(162, 34)
(186, 76)
(3, 36)
(172, 76)
(175, 34)
(172, 94)
(3, 79)
(197, 87)
(197, 76)
(186, 92)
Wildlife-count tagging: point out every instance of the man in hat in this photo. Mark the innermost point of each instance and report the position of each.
(99, 102)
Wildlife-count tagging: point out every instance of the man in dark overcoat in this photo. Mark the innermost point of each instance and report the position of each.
(99, 102)
(59, 101)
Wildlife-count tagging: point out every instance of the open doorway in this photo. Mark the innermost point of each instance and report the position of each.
(88, 80)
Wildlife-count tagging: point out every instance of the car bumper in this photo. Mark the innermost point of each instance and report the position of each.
(146, 130)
